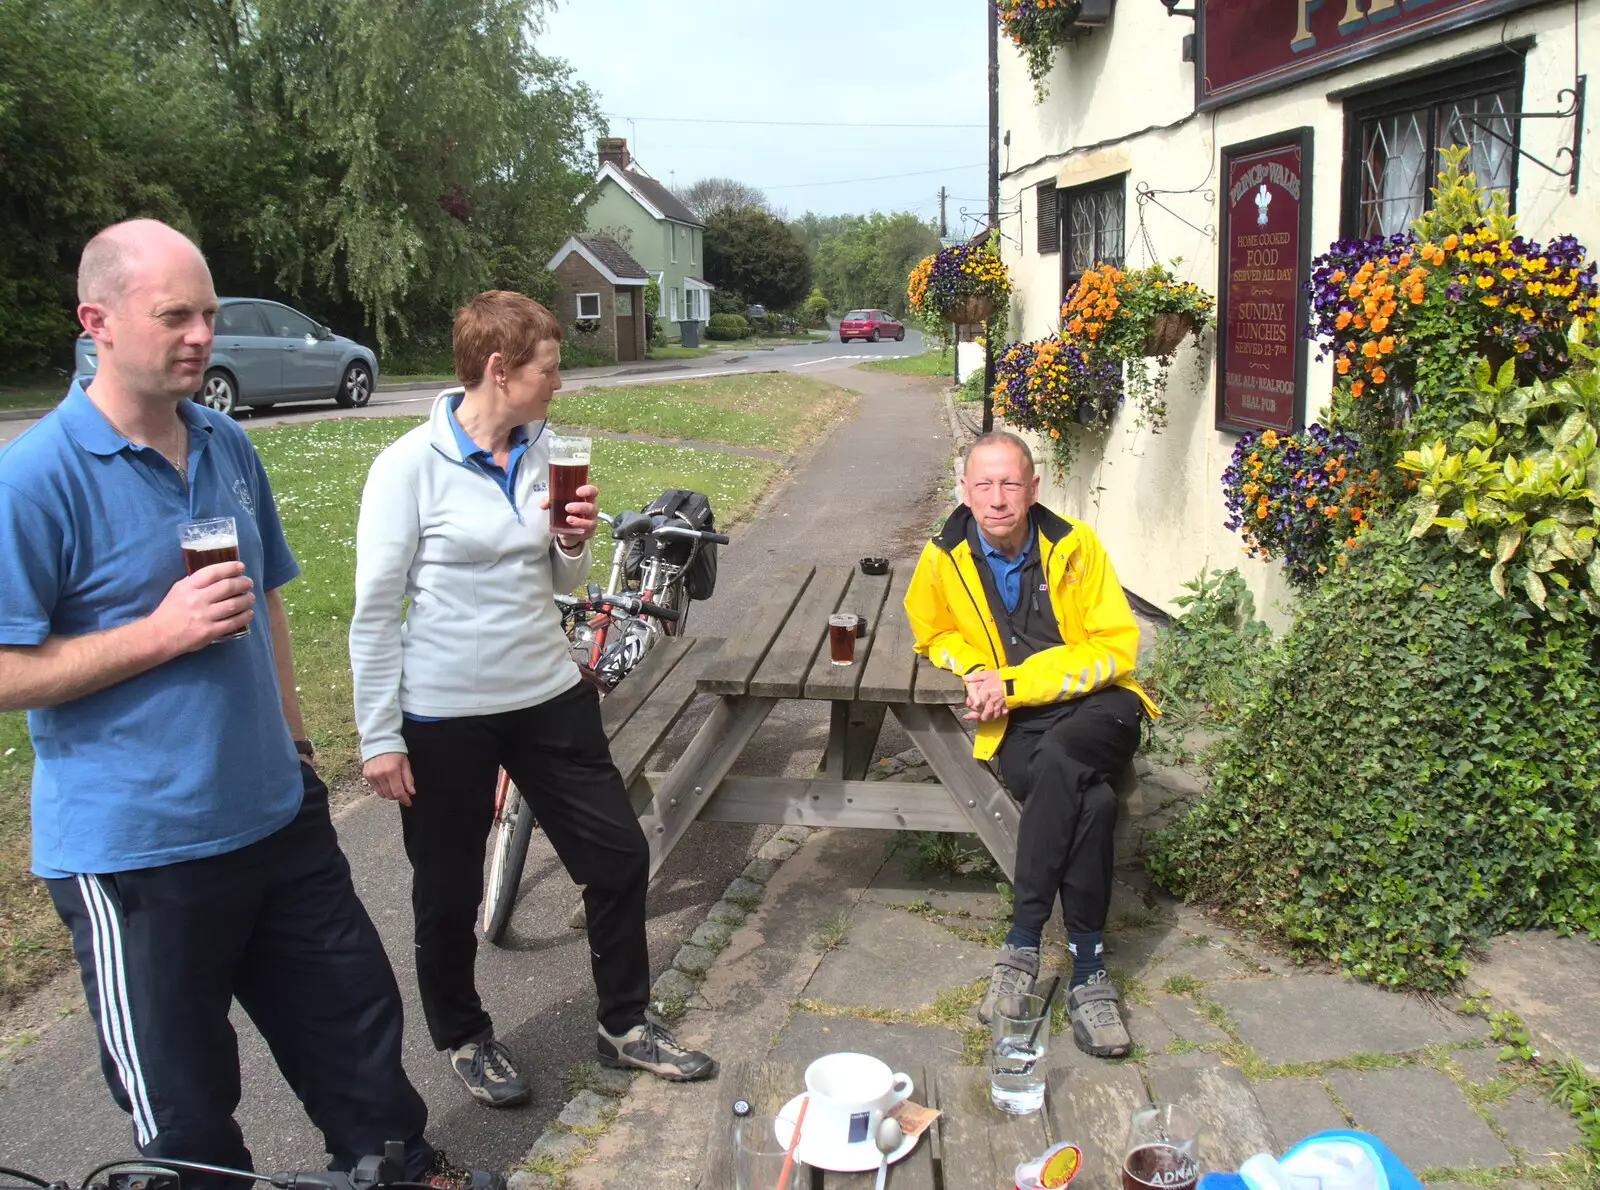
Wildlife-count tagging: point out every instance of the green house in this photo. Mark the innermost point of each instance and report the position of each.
(656, 229)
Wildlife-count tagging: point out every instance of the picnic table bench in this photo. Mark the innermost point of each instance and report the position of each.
(778, 654)
(975, 1146)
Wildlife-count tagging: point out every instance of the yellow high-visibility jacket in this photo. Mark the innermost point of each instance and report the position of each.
(950, 615)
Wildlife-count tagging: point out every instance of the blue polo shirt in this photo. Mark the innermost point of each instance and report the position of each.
(192, 758)
(483, 460)
(1008, 571)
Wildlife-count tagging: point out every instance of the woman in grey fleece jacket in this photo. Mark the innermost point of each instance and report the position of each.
(476, 674)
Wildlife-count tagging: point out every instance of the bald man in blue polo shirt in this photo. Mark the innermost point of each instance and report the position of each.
(177, 821)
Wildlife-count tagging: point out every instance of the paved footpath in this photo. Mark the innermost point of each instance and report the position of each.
(856, 946)
(870, 487)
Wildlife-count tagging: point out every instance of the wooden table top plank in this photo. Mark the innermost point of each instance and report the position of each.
(864, 597)
(782, 673)
(660, 711)
(767, 1087)
(1092, 1109)
(622, 702)
(891, 667)
(1232, 1126)
(980, 1145)
(937, 686)
(759, 626)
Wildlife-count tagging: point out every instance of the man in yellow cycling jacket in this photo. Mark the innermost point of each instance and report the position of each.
(1025, 606)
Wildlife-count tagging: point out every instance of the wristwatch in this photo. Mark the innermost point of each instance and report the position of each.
(306, 748)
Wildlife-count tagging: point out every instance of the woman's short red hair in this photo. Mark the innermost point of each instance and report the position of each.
(499, 320)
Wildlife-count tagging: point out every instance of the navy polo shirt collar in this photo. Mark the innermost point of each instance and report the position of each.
(464, 443)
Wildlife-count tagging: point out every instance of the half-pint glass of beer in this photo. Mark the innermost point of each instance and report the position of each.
(205, 543)
(569, 471)
(842, 638)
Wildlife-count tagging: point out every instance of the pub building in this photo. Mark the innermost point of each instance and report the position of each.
(1244, 137)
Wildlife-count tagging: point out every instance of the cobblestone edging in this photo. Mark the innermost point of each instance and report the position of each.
(594, 1105)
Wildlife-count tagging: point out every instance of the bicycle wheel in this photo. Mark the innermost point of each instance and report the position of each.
(674, 598)
(513, 827)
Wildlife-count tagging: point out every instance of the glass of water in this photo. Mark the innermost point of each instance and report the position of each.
(1016, 1059)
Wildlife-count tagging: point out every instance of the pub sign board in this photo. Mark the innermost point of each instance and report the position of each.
(1249, 47)
(1261, 300)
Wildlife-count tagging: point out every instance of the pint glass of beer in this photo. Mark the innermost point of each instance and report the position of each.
(205, 543)
(842, 638)
(569, 471)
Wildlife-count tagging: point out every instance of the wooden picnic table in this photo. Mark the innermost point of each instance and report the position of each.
(975, 1146)
(779, 653)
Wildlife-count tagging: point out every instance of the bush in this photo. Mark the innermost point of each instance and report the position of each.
(1206, 655)
(1413, 771)
(581, 355)
(814, 313)
(727, 326)
(728, 301)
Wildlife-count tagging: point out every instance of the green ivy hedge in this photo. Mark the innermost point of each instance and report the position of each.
(1414, 771)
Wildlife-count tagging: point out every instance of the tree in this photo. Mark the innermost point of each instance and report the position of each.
(710, 195)
(750, 253)
(866, 261)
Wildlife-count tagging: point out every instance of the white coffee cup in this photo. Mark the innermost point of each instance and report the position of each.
(849, 1095)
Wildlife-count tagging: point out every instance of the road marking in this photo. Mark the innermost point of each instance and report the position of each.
(674, 379)
(824, 360)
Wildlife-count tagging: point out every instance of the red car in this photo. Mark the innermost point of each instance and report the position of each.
(870, 325)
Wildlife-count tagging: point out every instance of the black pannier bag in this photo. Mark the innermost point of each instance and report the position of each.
(692, 510)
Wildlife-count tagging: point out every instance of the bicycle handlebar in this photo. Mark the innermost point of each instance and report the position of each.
(637, 524)
(631, 604)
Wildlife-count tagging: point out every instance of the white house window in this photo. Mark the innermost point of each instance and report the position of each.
(694, 247)
(1395, 141)
(674, 304)
(588, 305)
(672, 240)
(689, 296)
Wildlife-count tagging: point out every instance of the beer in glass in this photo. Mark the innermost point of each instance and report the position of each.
(569, 471)
(842, 638)
(206, 543)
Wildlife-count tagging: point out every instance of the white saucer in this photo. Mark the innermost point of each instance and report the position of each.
(840, 1158)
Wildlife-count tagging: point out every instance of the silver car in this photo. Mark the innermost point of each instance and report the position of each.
(264, 352)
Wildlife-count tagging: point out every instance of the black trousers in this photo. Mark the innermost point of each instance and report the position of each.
(276, 925)
(1058, 762)
(558, 755)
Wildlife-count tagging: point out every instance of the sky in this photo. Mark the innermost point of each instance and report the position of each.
(857, 68)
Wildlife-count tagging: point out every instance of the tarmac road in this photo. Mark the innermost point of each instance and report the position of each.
(873, 487)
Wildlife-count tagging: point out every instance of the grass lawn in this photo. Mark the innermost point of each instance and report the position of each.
(778, 410)
(929, 363)
(446, 378)
(674, 351)
(317, 471)
(32, 398)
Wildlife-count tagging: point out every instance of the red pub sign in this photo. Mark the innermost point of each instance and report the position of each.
(1248, 47)
(1265, 260)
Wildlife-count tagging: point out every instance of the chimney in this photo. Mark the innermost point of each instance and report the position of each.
(613, 149)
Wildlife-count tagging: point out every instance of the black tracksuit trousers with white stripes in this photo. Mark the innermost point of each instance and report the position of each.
(276, 925)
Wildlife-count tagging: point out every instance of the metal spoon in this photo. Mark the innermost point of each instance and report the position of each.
(888, 1140)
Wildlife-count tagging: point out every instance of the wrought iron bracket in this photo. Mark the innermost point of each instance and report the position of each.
(1573, 96)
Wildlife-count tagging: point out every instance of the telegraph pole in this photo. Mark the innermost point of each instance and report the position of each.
(994, 202)
(944, 230)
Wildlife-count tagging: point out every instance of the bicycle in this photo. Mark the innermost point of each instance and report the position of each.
(159, 1173)
(611, 632)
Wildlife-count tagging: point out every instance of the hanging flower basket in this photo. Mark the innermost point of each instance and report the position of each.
(1037, 28)
(1165, 332)
(971, 310)
(963, 284)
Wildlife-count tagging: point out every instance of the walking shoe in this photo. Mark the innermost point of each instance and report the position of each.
(1015, 971)
(443, 1175)
(485, 1066)
(1096, 1024)
(650, 1047)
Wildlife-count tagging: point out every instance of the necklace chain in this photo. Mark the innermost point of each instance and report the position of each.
(179, 464)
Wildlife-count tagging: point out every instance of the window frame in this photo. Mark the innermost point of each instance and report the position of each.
(253, 310)
(1115, 182)
(265, 310)
(580, 298)
(1500, 71)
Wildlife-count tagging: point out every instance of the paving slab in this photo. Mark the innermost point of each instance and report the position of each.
(1184, 1018)
(1146, 1027)
(1200, 957)
(1535, 1125)
(809, 1035)
(1420, 1114)
(1480, 1065)
(901, 882)
(1553, 983)
(894, 959)
(1311, 1018)
(1295, 1108)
